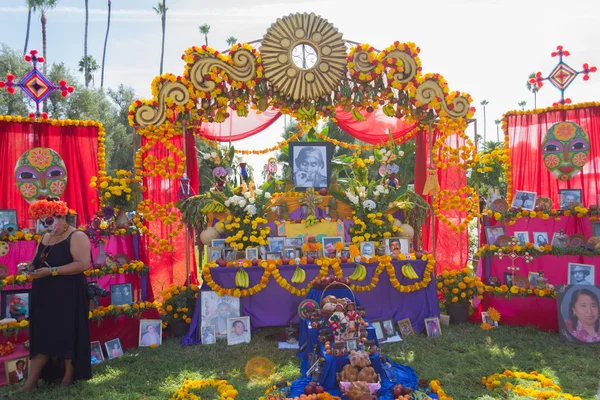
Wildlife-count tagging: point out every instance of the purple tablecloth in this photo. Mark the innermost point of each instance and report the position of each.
(275, 306)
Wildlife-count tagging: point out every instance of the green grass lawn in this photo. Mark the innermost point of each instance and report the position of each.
(459, 359)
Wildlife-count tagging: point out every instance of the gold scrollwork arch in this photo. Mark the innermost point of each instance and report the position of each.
(242, 68)
(430, 89)
(147, 114)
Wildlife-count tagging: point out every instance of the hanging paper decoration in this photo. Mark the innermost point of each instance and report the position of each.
(562, 75)
(40, 172)
(34, 84)
(565, 149)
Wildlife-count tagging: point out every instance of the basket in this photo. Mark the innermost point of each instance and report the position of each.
(326, 314)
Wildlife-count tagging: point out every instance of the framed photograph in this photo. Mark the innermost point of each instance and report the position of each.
(522, 237)
(525, 200)
(290, 252)
(97, 354)
(485, 318)
(433, 327)
(405, 327)
(113, 348)
(568, 196)
(596, 229)
(150, 332)
(574, 320)
(388, 328)
(208, 335)
(532, 276)
(216, 310)
(492, 233)
(276, 244)
(218, 243)
(367, 248)
(311, 164)
(392, 246)
(346, 253)
(8, 220)
(16, 370)
(214, 253)
(71, 220)
(120, 294)
(294, 241)
(15, 304)
(581, 274)
(273, 255)
(263, 252)
(229, 254)
(379, 332)
(329, 243)
(540, 238)
(252, 253)
(238, 330)
(559, 240)
(351, 344)
(508, 279)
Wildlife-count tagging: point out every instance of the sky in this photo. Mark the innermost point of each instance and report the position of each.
(484, 47)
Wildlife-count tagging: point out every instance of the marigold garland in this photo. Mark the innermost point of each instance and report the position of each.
(510, 217)
(468, 205)
(132, 267)
(20, 235)
(461, 156)
(504, 290)
(223, 388)
(151, 212)
(436, 388)
(128, 310)
(547, 388)
(271, 269)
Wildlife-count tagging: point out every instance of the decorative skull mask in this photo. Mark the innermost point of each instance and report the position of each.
(565, 149)
(40, 171)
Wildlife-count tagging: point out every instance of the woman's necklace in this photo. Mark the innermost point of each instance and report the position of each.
(49, 247)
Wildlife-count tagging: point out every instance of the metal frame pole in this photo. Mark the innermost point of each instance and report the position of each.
(187, 233)
(433, 232)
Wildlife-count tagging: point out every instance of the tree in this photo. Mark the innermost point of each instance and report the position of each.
(88, 66)
(231, 40)
(28, 26)
(533, 88)
(484, 103)
(85, 42)
(161, 9)
(498, 122)
(11, 62)
(204, 29)
(105, 43)
(58, 105)
(522, 104)
(42, 6)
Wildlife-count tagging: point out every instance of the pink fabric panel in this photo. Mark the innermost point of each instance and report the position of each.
(238, 128)
(22, 251)
(116, 245)
(376, 128)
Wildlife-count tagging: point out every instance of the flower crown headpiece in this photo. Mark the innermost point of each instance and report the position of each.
(45, 208)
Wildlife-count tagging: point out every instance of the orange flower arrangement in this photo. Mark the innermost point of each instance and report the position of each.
(6, 349)
(45, 208)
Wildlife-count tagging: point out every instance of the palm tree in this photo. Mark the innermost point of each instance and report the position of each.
(533, 88)
(484, 103)
(89, 65)
(85, 40)
(161, 9)
(105, 43)
(28, 26)
(231, 40)
(204, 29)
(42, 6)
(498, 122)
(522, 104)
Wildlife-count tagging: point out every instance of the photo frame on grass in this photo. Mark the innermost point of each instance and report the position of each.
(574, 318)
(405, 327)
(216, 310)
(388, 327)
(208, 335)
(379, 332)
(113, 348)
(238, 330)
(97, 354)
(432, 325)
(16, 370)
(150, 332)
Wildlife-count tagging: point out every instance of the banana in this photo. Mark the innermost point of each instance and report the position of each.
(301, 275)
(389, 110)
(356, 114)
(356, 273)
(409, 272)
(242, 279)
(295, 276)
(363, 273)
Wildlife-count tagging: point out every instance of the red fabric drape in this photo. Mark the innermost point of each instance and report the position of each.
(526, 133)
(238, 128)
(78, 147)
(169, 267)
(452, 248)
(376, 128)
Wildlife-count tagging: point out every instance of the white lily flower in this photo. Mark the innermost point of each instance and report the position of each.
(267, 195)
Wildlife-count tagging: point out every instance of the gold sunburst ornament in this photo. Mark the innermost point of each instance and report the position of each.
(304, 56)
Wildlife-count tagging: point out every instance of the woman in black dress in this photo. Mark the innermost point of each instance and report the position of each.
(59, 330)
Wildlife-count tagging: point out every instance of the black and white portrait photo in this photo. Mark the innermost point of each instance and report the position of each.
(121, 294)
(522, 237)
(276, 244)
(525, 200)
(540, 238)
(215, 310)
(581, 274)
(252, 253)
(311, 164)
(568, 196)
(214, 253)
(367, 249)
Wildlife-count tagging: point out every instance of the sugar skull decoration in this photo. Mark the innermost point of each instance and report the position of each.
(271, 168)
(565, 149)
(40, 172)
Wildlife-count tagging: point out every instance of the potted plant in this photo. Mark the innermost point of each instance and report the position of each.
(458, 287)
(116, 192)
(177, 308)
